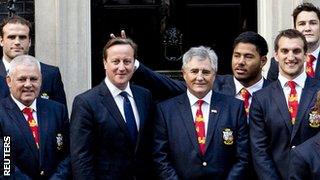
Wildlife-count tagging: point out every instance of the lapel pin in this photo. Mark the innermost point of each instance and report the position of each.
(214, 111)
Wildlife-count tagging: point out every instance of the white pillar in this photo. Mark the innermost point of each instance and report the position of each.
(63, 39)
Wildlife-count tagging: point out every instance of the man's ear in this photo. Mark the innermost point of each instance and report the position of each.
(1, 41)
(263, 60)
(8, 80)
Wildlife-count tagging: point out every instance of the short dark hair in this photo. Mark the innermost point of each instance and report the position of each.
(14, 20)
(253, 38)
(291, 34)
(117, 41)
(309, 7)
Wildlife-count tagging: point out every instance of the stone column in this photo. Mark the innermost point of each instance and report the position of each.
(63, 39)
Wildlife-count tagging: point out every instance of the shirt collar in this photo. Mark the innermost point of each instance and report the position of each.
(255, 87)
(6, 64)
(22, 106)
(193, 99)
(299, 80)
(315, 53)
(116, 91)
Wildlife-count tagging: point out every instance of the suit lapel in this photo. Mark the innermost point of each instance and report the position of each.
(186, 115)
(3, 71)
(307, 95)
(110, 104)
(214, 111)
(43, 122)
(18, 118)
(281, 102)
(317, 71)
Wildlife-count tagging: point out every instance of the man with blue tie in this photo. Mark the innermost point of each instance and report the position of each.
(201, 134)
(111, 123)
(15, 40)
(36, 130)
(280, 113)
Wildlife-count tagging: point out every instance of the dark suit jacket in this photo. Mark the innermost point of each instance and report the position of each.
(26, 159)
(274, 69)
(271, 132)
(163, 87)
(101, 147)
(52, 86)
(305, 160)
(4, 91)
(176, 150)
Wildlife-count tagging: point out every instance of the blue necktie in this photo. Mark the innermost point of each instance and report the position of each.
(128, 113)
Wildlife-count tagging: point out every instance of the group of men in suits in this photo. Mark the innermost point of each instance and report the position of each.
(200, 131)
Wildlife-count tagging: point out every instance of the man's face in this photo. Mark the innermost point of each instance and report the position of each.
(291, 57)
(199, 76)
(24, 83)
(308, 24)
(119, 64)
(247, 63)
(15, 40)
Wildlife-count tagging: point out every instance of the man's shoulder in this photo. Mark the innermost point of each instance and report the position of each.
(48, 68)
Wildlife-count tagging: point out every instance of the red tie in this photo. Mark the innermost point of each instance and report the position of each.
(293, 101)
(245, 95)
(32, 124)
(309, 66)
(199, 124)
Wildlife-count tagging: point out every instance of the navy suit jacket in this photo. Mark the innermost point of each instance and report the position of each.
(163, 87)
(52, 86)
(26, 160)
(176, 150)
(274, 69)
(305, 160)
(271, 134)
(4, 91)
(101, 147)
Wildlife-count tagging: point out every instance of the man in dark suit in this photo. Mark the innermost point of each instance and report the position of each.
(3, 88)
(305, 160)
(306, 19)
(248, 58)
(107, 142)
(35, 130)
(201, 134)
(15, 40)
(279, 113)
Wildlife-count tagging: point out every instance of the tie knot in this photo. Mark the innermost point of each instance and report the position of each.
(245, 93)
(291, 84)
(200, 102)
(124, 94)
(27, 110)
(310, 58)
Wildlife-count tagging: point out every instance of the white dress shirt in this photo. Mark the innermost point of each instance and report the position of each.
(33, 106)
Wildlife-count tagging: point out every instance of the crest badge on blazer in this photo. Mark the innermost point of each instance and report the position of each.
(227, 135)
(314, 119)
(59, 138)
(44, 96)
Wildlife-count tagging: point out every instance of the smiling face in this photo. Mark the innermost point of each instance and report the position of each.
(24, 83)
(308, 24)
(15, 40)
(199, 76)
(291, 57)
(119, 64)
(247, 63)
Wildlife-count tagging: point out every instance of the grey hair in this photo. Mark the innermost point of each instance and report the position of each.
(25, 60)
(202, 53)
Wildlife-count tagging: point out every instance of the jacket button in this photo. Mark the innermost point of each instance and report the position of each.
(293, 147)
(204, 164)
(41, 173)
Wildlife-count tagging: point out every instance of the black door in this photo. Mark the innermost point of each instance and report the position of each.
(165, 29)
